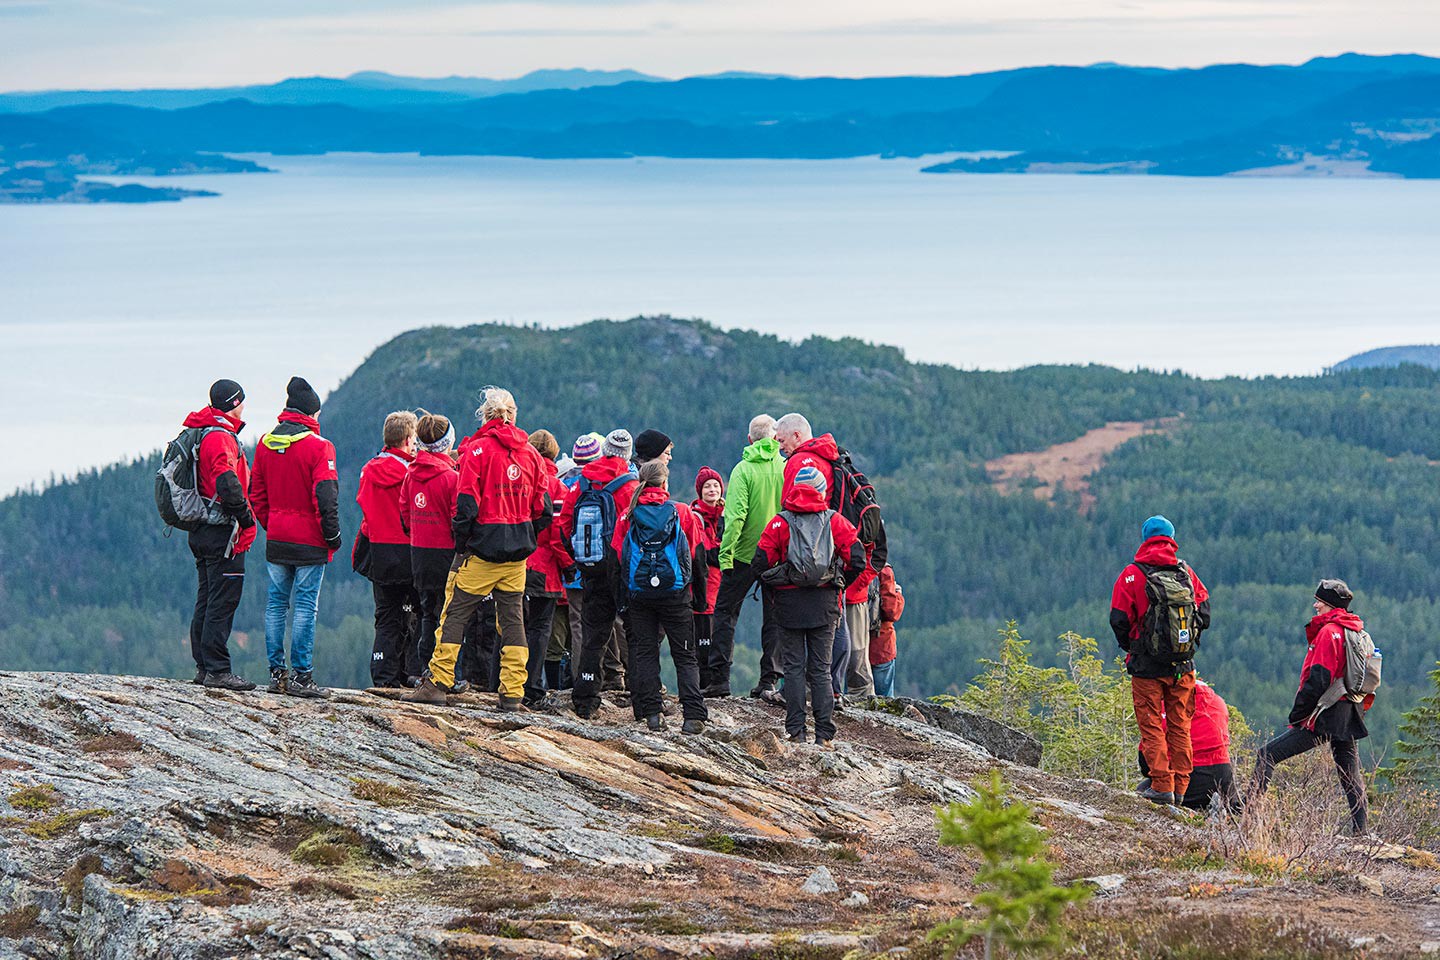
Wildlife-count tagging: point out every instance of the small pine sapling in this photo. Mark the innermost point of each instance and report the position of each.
(1019, 902)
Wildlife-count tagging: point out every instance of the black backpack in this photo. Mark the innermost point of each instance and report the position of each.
(853, 497)
(1169, 632)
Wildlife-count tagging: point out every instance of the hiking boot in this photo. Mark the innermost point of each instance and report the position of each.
(227, 681)
(1143, 785)
(427, 692)
(279, 680)
(825, 744)
(773, 697)
(693, 727)
(412, 682)
(717, 691)
(510, 705)
(799, 737)
(303, 684)
(199, 677)
(839, 703)
(461, 686)
(1157, 797)
(656, 722)
(759, 692)
(585, 713)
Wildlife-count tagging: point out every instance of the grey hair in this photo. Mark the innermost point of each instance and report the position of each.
(496, 403)
(796, 422)
(761, 427)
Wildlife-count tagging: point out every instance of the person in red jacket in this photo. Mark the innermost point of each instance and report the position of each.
(891, 604)
(1212, 775)
(850, 660)
(502, 505)
(382, 550)
(709, 505)
(427, 502)
(608, 478)
(807, 601)
(1341, 724)
(1161, 684)
(219, 549)
(544, 575)
(659, 594)
(295, 493)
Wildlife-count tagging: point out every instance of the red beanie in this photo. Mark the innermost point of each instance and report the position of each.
(708, 473)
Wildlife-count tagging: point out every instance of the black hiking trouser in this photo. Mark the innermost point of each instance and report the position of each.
(704, 638)
(806, 655)
(539, 612)
(395, 632)
(1205, 783)
(735, 584)
(1298, 740)
(647, 619)
(431, 603)
(217, 593)
(597, 624)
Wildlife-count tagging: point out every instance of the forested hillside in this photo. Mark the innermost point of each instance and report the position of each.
(1272, 483)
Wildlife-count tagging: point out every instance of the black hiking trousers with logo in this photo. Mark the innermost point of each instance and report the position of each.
(221, 580)
(647, 619)
(597, 622)
(397, 608)
(806, 656)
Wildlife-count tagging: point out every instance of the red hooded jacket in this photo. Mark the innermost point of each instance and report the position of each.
(1209, 728)
(1324, 663)
(295, 492)
(821, 452)
(427, 502)
(550, 559)
(223, 475)
(806, 608)
(713, 517)
(689, 522)
(382, 533)
(503, 501)
(599, 472)
(892, 605)
(1129, 604)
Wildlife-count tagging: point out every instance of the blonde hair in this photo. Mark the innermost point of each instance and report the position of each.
(761, 427)
(545, 444)
(497, 403)
(653, 473)
(399, 427)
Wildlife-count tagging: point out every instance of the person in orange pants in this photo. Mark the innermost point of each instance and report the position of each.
(1158, 610)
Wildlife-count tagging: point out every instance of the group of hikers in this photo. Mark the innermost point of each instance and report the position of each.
(501, 563)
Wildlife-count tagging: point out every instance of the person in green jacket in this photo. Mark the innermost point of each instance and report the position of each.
(751, 502)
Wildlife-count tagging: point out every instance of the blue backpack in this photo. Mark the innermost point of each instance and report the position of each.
(656, 558)
(595, 521)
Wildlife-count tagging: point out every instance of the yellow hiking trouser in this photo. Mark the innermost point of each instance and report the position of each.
(470, 581)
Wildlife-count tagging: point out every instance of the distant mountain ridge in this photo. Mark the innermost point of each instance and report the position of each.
(1425, 355)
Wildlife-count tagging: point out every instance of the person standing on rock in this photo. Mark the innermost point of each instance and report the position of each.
(805, 555)
(295, 493)
(223, 476)
(661, 548)
(752, 500)
(502, 505)
(709, 506)
(544, 577)
(587, 450)
(587, 529)
(1340, 724)
(382, 550)
(1158, 610)
(427, 502)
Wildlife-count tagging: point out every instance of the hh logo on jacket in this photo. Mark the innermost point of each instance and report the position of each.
(420, 500)
(513, 471)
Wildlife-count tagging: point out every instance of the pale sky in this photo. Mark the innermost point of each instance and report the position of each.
(49, 44)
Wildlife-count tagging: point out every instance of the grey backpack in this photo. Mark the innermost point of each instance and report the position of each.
(177, 484)
(1359, 679)
(810, 560)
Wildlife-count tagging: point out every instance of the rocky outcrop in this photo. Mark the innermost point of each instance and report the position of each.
(153, 819)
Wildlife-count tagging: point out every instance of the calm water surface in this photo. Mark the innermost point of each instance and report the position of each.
(115, 318)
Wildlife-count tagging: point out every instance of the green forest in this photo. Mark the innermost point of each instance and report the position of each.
(1272, 483)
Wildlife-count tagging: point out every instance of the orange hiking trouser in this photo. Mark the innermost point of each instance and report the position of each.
(1164, 708)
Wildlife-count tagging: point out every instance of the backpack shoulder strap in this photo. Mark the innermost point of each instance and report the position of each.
(616, 485)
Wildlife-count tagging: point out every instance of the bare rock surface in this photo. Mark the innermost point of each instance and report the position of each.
(145, 818)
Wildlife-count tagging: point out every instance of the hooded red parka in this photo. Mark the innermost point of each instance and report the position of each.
(1129, 604)
(295, 492)
(222, 474)
(1324, 662)
(806, 608)
(382, 534)
(427, 504)
(503, 501)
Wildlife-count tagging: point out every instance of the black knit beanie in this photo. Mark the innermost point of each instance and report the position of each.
(226, 395)
(1335, 593)
(300, 396)
(650, 444)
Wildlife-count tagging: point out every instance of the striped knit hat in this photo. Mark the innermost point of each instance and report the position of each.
(587, 447)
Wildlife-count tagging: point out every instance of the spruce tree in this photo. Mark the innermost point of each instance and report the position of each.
(1417, 755)
(1021, 904)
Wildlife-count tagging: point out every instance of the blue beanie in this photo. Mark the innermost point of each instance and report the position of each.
(1157, 526)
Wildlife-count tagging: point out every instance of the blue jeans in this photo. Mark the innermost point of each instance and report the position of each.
(884, 678)
(302, 584)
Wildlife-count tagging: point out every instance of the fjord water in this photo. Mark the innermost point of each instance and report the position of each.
(115, 318)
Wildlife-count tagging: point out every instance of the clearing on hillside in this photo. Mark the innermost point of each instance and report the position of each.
(1072, 462)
